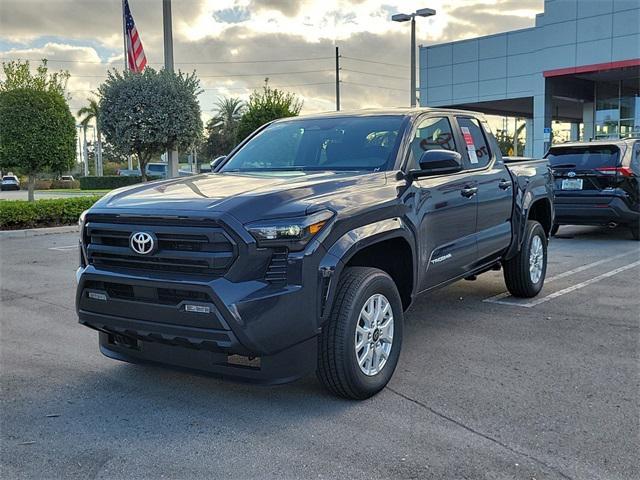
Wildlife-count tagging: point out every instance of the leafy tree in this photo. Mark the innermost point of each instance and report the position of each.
(37, 129)
(266, 105)
(222, 129)
(88, 114)
(18, 76)
(150, 112)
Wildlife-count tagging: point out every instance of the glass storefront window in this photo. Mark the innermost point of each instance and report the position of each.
(617, 109)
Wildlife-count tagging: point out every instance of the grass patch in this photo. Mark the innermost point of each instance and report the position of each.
(54, 212)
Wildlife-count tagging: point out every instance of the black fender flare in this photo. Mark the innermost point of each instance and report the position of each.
(353, 241)
(525, 199)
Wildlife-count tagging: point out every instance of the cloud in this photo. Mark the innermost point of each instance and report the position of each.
(235, 44)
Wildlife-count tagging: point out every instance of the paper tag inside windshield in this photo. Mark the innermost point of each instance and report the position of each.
(471, 149)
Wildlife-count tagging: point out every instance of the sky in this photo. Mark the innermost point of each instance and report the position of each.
(233, 45)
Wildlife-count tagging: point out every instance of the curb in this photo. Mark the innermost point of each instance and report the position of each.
(36, 232)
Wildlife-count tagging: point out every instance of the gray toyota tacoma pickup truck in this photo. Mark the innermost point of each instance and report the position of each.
(308, 242)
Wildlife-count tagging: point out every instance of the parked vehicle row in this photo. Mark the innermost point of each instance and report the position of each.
(306, 245)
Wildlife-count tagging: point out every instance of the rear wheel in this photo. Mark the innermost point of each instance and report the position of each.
(554, 229)
(524, 274)
(635, 231)
(360, 343)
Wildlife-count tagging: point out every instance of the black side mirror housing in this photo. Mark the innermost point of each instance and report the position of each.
(438, 162)
(217, 161)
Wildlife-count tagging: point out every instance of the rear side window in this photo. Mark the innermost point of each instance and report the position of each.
(584, 158)
(475, 142)
(635, 158)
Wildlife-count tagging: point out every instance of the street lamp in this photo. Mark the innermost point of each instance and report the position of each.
(403, 17)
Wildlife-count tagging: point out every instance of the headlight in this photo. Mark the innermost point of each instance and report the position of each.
(82, 219)
(293, 233)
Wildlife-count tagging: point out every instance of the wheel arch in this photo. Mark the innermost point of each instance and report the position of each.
(371, 246)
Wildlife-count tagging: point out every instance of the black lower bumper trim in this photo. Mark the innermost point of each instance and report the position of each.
(283, 367)
(178, 335)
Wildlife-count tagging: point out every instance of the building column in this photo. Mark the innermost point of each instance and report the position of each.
(528, 145)
(542, 111)
(588, 121)
(574, 132)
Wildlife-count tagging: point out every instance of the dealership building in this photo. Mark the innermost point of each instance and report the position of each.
(579, 64)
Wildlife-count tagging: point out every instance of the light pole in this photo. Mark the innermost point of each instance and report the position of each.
(404, 17)
(172, 155)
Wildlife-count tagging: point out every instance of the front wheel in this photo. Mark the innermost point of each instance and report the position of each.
(360, 344)
(524, 274)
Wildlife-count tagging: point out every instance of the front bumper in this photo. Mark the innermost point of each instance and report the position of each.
(250, 330)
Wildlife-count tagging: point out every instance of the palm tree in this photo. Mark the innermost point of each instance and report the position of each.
(228, 112)
(222, 129)
(88, 114)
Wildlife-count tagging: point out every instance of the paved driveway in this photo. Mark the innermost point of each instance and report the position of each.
(487, 387)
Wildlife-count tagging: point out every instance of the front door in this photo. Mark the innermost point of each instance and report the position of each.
(444, 209)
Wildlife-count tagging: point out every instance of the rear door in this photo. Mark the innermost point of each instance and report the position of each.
(495, 189)
(585, 173)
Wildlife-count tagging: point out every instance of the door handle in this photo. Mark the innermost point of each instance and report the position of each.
(469, 191)
(504, 184)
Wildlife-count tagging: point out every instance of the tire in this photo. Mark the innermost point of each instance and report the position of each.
(521, 279)
(338, 366)
(635, 231)
(554, 229)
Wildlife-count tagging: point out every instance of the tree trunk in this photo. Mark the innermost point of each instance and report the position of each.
(142, 165)
(31, 183)
(99, 152)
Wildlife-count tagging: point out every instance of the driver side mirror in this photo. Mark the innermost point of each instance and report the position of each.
(217, 161)
(439, 162)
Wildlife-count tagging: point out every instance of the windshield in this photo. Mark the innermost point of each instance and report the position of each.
(343, 143)
(156, 168)
(584, 158)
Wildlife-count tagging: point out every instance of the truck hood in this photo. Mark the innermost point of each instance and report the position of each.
(248, 196)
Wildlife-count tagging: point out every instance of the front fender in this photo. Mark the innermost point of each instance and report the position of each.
(339, 254)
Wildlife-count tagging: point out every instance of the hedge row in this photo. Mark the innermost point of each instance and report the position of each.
(107, 183)
(43, 213)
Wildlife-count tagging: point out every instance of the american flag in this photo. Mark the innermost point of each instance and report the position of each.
(135, 53)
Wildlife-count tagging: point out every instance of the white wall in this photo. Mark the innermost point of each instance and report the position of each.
(569, 33)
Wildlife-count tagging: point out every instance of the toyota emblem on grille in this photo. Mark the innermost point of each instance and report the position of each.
(142, 243)
(571, 174)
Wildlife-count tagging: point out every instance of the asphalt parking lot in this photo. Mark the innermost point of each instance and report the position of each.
(487, 386)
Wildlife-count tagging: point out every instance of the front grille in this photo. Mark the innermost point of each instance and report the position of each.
(164, 296)
(205, 249)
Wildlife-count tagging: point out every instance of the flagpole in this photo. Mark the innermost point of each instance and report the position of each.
(126, 63)
(124, 36)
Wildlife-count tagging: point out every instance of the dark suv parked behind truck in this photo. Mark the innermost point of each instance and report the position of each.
(597, 183)
(304, 248)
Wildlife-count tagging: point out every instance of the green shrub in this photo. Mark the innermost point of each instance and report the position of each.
(43, 213)
(56, 184)
(107, 183)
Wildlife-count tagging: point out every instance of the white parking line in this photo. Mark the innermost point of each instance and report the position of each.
(65, 248)
(582, 268)
(570, 289)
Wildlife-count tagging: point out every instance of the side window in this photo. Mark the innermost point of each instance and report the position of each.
(635, 158)
(475, 141)
(432, 134)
